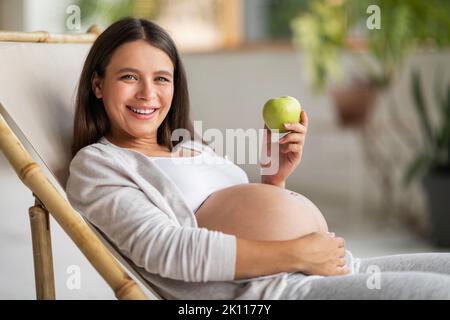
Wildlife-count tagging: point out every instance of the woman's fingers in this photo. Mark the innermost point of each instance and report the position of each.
(343, 270)
(293, 147)
(301, 126)
(341, 252)
(304, 119)
(295, 139)
(293, 142)
(340, 241)
(296, 127)
(342, 262)
(292, 138)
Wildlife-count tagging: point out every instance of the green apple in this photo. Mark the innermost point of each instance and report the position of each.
(278, 111)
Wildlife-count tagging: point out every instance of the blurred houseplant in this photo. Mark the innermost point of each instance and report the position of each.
(331, 26)
(106, 12)
(432, 163)
(279, 13)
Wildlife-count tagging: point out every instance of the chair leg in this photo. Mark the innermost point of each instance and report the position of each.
(42, 252)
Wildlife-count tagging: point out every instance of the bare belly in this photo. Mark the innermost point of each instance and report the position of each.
(260, 212)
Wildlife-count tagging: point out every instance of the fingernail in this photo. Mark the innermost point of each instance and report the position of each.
(287, 125)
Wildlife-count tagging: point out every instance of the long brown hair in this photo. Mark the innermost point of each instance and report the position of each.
(91, 121)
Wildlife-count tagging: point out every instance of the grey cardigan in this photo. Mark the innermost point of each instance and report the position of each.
(138, 207)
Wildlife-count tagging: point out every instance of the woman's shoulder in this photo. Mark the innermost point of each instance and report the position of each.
(94, 162)
(95, 154)
(94, 149)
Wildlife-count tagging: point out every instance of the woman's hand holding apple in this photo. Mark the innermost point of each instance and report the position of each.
(291, 145)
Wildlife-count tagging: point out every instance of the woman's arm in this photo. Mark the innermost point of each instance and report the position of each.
(101, 190)
(315, 253)
(290, 150)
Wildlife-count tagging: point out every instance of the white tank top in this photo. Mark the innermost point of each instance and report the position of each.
(199, 176)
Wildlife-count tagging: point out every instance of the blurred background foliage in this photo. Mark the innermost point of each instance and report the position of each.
(279, 15)
(109, 11)
(323, 31)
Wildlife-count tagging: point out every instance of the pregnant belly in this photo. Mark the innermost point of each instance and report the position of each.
(260, 212)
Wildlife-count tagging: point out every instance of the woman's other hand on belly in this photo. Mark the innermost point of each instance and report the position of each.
(314, 254)
(319, 254)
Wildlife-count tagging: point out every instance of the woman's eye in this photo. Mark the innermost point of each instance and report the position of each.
(162, 79)
(129, 77)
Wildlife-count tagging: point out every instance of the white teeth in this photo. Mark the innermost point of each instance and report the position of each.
(143, 111)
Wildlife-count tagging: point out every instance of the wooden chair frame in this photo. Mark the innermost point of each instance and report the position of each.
(49, 201)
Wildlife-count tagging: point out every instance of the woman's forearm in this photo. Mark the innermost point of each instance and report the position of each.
(257, 258)
(316, 253)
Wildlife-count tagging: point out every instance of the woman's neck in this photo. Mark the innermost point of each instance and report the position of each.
(145, 145)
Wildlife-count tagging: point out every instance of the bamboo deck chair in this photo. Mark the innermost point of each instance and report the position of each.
(38, 78)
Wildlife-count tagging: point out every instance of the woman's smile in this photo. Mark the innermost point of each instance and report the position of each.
(143, 113)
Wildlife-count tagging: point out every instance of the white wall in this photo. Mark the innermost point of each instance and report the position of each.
(12, 15)
(32, 15)
(48, 15)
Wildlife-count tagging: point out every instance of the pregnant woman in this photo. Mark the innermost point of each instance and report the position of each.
(195, 227)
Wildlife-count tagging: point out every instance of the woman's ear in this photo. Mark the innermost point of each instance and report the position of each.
(97, 84)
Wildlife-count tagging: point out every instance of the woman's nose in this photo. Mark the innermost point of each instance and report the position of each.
(147, 91)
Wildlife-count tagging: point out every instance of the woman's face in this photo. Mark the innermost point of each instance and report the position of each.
(137, 90)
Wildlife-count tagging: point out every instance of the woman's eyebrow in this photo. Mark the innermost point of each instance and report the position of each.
(165, 72)
(127, 70)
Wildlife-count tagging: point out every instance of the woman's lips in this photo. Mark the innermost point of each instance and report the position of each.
(142, 116)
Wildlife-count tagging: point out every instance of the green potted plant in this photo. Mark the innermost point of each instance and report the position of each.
(107, 11)
(432, 162)
(331, 27)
